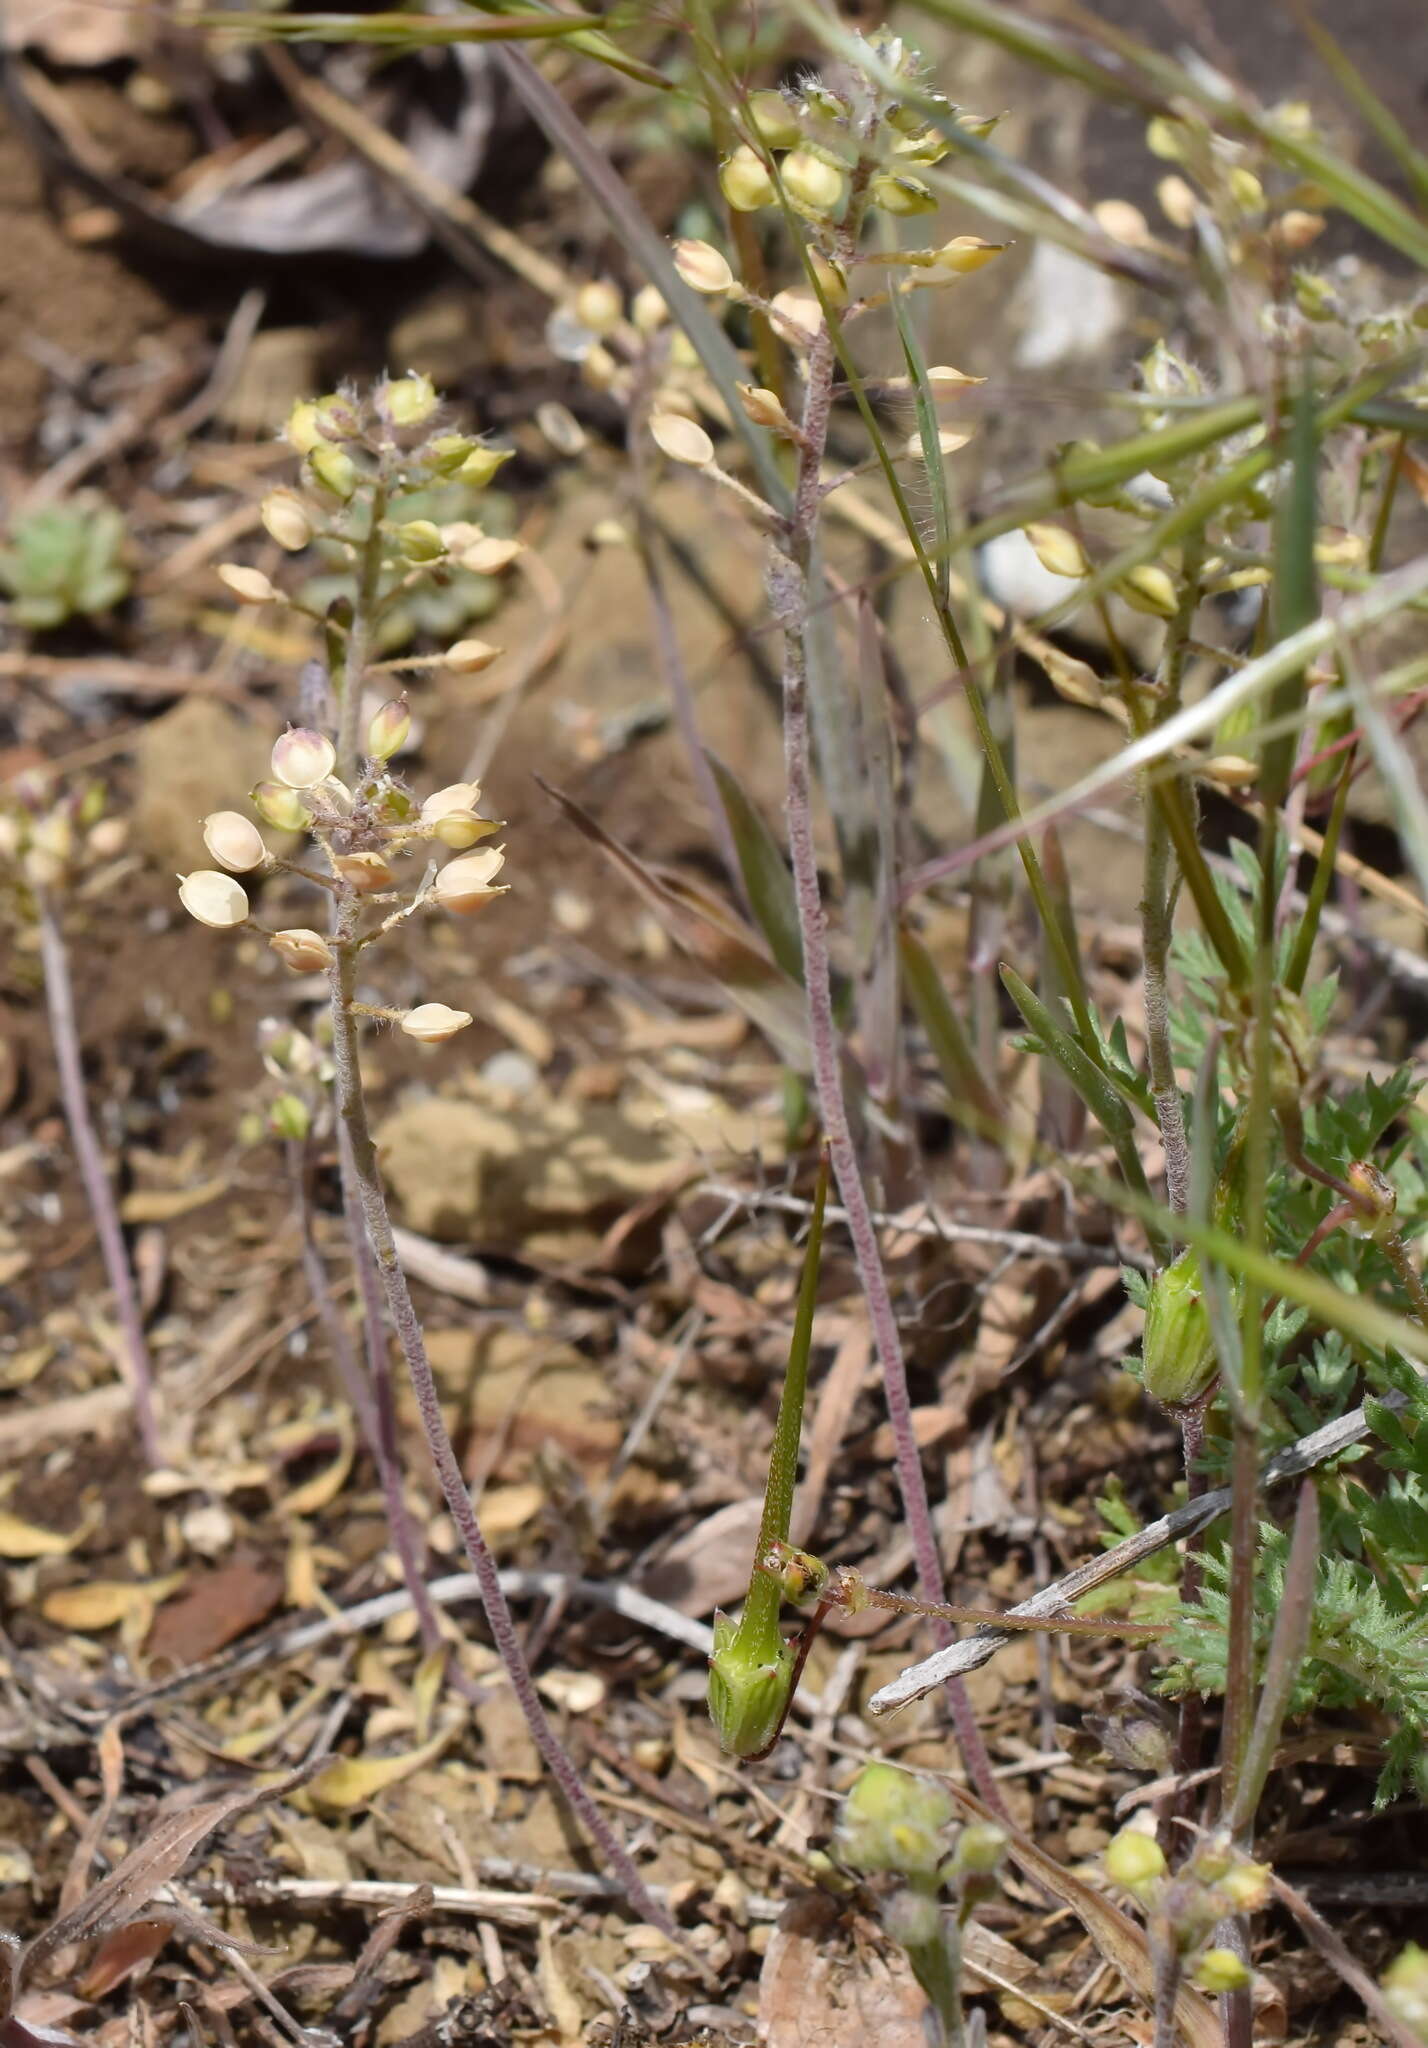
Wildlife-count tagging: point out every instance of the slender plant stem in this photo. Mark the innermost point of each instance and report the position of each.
(789, 575)
(359, 638)
(372, 1200)
(369, 1395)
(64, 1036)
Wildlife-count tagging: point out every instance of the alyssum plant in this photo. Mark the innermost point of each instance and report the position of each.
(374, 854)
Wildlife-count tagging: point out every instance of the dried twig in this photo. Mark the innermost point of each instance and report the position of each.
(980, 1647)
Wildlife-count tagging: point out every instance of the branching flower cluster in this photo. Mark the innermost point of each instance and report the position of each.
(364, 821)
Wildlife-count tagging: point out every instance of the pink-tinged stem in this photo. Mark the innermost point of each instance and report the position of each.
(788, 582)
(372, 1201)
(64, 1036)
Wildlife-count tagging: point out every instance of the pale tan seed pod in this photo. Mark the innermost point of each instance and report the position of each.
(649, 311)
(234, 841)
(107, 839)
(765, 409)
(434, 1023)
(599, 306)
(456, 796)
(702, 267)
(249, 586)
(942, 377)
(469, 657)
(302, 950)
(1296, 229)
(214, 899)
(1059, 552)
(467, 884)
(1177, 201)
(302, 758)
(388, 729)
(367, 873)
(1231, 771)
(681, 440)
(797, 315)
(490, 555)
(285, 517)
(1122, 222)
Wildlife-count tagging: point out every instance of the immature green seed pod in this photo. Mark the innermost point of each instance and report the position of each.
(281, 807)
(481, 465)
(1178, 1358)
(388, 728)
(773, 120)
(814, 182)
(419, 540)
(897, 193)
(334, 470)
(288, 1117)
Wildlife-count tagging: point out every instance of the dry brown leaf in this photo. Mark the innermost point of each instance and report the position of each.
(709, 1565)
(164, 1205)
(819, 1991)
(71, 32)
(215, 1609)
(322, 1489)
(561, 2002)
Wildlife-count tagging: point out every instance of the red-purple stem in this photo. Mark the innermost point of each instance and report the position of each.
(373, 1205)
(788, 581)
(64, 1036)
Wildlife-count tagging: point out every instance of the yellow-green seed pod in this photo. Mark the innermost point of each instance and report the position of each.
(745, 182)
(1149, 588)
(897, 193)
(774, 121)
(813, 182)
(1178, 1359)
(333, 469)
(409, 401)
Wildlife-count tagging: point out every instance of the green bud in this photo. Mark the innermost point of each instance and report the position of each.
(409, 401)
(334, 470)
(1405, 1989)
(893, 1820)
(750, 1684)
(288, 1118)
(1178, 1359)
(419, 540)
(1134, 1861)
(388, 729)
(980, 1849)
(1220, 1970)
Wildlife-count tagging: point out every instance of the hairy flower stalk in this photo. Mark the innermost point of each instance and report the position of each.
(789, 581)
(64, 1035)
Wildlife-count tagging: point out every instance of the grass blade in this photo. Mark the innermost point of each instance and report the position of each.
(973, 1101)
(1287, 1650)
(767, 881)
